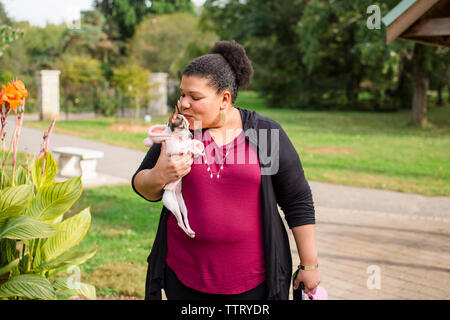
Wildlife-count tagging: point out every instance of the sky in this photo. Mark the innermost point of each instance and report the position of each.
(39, 12)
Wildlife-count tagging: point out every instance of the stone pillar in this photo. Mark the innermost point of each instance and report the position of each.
(158, 105)
(48, 93)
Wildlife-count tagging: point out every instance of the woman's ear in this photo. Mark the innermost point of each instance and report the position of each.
(226, 99)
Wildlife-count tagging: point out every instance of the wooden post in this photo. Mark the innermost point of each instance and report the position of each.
(419, 107)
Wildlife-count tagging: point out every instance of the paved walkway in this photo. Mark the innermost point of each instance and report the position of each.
(365, 237)
(117, 166)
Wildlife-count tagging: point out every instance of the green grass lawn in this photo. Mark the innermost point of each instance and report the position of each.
(375, 150)
(123, 227)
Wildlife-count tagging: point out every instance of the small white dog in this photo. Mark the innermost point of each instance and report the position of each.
(178, 140)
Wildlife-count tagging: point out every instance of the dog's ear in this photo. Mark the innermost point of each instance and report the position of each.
(176, 111)
(178, 108)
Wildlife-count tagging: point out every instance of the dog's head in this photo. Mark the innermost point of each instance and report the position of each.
(178, 124)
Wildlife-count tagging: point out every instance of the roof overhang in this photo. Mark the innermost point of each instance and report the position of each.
(422, 21)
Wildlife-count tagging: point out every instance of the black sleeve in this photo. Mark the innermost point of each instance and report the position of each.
(291, 187)
(149, 162)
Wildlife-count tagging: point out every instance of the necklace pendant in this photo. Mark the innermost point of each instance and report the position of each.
(218, 176)
(208, 169)
(221, 167)
(211, 175)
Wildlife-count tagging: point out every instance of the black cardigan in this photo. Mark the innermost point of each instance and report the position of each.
(282, 182)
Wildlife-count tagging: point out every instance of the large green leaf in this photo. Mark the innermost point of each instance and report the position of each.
(35, 249)
(9, 267)
(29, 286)
(13, 201)
(24, 228)
(41, 180)
(23, 264)
(65, 294)
(21, 176)
(53, 200)
(87, 290)
(70, 232)
(69, 258)
(7, 251)
(5, 180)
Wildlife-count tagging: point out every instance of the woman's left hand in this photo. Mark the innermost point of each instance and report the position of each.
(310, 279)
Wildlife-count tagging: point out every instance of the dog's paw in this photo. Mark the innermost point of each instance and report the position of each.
(191, 234)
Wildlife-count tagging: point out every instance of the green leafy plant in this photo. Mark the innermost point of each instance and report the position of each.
(8, 35)
(36, 243)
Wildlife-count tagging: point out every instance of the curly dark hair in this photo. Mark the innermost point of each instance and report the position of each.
(226, 66)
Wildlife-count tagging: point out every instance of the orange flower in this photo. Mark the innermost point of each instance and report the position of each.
(20, 87)
(12, 96)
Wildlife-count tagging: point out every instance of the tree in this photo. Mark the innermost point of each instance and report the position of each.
(440, 72)
(8, 34)
(44, 45)
(125, 15)
(267, 31)
(161, 42)
(78, 71)
(171, 6)
(133, 81)
(316, 54)
(91, 39)
(419, 105)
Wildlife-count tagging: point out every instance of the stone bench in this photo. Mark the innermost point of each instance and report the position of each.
(77, 161)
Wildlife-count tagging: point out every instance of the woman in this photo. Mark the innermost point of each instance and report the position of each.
(241, 248)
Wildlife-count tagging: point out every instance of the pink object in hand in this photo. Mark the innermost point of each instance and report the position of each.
(319, 294)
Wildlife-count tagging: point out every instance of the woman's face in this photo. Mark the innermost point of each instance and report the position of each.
(200, 103)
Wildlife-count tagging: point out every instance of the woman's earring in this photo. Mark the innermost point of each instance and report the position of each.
(222, 117)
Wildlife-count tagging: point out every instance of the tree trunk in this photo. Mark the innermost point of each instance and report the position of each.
(448, 92)
(440, 88)
(419, 107)
(352, 86)
(95, 93)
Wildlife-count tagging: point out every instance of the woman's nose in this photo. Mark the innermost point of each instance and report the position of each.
(184, 103)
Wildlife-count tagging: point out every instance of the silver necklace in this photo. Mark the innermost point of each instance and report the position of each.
(221, 165)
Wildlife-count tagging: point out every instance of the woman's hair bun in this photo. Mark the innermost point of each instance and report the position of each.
(235, 55)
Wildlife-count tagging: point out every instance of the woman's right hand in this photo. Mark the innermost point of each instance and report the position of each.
(174, 167)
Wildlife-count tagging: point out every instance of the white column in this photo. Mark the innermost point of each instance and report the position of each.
(158, 105)
(48, 93)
